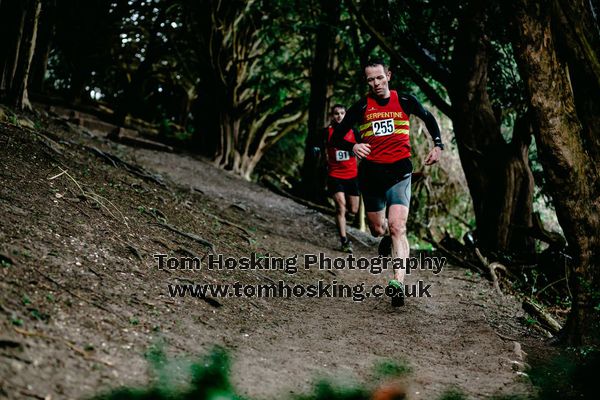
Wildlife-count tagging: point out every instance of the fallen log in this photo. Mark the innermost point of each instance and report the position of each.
(545, 319)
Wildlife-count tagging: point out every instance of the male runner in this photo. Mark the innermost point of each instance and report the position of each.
(385, 173)
(342, 173)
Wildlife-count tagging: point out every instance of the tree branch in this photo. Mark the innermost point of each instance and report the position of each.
(429, 91)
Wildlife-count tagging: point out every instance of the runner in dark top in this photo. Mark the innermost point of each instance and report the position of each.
(385, 170)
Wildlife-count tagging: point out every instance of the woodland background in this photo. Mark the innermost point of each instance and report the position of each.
(515, 86)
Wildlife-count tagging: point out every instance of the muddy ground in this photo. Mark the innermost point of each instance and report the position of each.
(83, 300)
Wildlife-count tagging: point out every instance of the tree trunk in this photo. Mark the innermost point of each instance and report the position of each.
(5, 39)
(313, 168)
(577, 31)
(13, 20)
(19, 97)
(240, 150)
(44, 46)
(239, 117)
(132, 101)
(497, 173)
(571, 171)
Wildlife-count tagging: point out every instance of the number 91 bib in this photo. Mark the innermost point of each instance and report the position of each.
(341, 155)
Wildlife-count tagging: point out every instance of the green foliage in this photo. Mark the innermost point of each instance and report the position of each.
(209, 380)
(37, 314)
(326, 391)
(453, 394)
(570, 375)
(285, 157)
(441, 201)
(85, 58)
(390, 368)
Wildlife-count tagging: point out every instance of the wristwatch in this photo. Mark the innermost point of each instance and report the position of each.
(440, 145)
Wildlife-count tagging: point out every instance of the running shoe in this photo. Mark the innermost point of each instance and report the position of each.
(347, 246)
(385, 246)
(398, 297)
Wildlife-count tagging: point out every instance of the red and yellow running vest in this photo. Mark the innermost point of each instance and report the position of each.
(386, 129)
(341, 164)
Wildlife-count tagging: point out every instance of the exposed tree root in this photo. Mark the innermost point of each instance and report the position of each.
(93, 196)
(188, 235)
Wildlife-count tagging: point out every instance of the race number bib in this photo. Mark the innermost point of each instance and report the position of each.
(341, 155)
(383, 127)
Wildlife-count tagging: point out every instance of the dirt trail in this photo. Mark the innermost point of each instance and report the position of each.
(100, 301)
(447, 339)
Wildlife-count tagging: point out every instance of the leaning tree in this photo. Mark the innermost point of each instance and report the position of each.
(557, 48)
(252, 77)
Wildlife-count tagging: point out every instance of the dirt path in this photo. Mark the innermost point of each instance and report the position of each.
(100, 301)
(447, 339)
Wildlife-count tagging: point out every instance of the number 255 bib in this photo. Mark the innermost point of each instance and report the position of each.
(383, 127)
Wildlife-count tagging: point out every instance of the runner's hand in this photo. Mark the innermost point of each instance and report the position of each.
(433, 156)
(361, 150)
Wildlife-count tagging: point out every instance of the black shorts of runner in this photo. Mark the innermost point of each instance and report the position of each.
(383, 185)
(348, 186)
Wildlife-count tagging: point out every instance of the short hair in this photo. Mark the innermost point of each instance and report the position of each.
(373, 62)
(338, 105)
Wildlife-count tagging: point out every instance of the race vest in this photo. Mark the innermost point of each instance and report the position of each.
(341, 164)
(386, 129)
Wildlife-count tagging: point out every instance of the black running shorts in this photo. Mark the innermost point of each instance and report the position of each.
(385, 184)
(348, 186)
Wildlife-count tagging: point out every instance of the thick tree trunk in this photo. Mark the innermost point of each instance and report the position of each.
(577, 31)
(313, 168)
(572, 173)
(19, 97)
(498, 174)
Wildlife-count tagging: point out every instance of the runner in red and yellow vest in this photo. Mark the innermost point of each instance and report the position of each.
(386, 128)
(342, 171)
(385, 171)
(341, 164)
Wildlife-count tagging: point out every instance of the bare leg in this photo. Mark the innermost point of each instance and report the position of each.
(376, 220)
(352, 202)
(340, 217)
(397, 217)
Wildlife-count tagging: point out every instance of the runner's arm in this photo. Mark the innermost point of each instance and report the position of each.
(412, 106)
(353, 117)
(356, 134)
